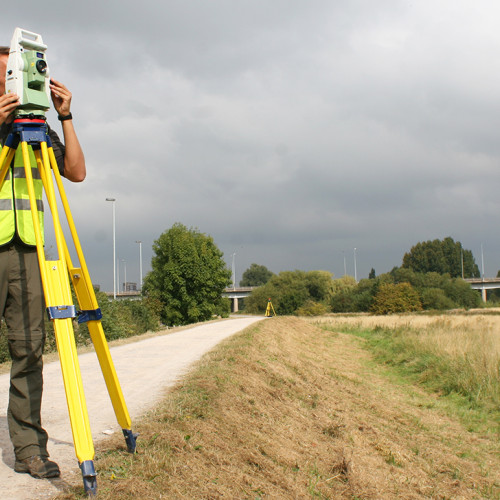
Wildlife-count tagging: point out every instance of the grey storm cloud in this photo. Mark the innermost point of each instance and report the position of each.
(292, 132)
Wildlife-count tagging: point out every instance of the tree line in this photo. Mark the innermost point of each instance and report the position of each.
(401, 290)
(189, 275)
(430, 278)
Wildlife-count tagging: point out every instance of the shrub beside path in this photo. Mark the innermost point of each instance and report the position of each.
(145, 369)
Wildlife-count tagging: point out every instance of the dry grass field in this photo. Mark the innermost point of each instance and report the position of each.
(468, 342)
(290, 410)
(473, 334)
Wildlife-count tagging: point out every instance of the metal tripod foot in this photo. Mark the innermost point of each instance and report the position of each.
(89, 477)
(130, 439)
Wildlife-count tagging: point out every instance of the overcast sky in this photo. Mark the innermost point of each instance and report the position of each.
(290, 131)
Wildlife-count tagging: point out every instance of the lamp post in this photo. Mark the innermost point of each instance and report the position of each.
(114, 247)
(482, 263)
(234, 272)
(125, 275)
(355, 271)
(140, 264)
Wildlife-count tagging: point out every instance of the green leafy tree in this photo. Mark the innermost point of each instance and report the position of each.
(291, 288)
(342, 298)
(256, 275)
(372, 275)
(188, 276)
(319, 285)
(443, 257)
(344, 283)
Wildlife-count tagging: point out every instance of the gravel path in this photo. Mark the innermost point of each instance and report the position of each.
(145, 369)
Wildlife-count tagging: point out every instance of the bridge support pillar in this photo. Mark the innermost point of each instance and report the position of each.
(235, 304)
(483, 294)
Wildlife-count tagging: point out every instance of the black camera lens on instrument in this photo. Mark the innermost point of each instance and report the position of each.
(41, 66)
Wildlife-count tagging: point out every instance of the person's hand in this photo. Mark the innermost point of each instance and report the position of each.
(8, 103)
(61, 97)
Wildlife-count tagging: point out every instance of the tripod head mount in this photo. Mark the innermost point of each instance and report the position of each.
(31, 129)
(28, 73)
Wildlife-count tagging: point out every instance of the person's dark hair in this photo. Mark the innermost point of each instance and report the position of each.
(4, 50)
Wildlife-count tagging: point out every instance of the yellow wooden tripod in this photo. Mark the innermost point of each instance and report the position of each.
(56, 275)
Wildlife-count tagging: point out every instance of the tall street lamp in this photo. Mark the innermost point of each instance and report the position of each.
(140, 264)
(234, 273)
(125, 275)
(355, 273)
(482, 263)
(114, 247)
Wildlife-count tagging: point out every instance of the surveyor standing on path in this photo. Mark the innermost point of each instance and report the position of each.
(22, 303)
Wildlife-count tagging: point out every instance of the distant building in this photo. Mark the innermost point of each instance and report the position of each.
(130, 287)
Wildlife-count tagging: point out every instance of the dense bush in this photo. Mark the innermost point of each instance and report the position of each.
(291, 290)
(461, 293)
(396, 298)
(354, 297)
(435, 298)
(311, 308)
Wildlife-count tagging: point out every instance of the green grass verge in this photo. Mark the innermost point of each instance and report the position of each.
(462, 391)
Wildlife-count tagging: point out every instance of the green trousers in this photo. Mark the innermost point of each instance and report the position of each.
(23, 307)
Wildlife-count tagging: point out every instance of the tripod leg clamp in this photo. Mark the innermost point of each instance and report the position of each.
(61, 312)
(89, 315)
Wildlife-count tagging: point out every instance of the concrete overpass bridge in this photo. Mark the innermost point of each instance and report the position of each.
(235, 293)
(483, 284)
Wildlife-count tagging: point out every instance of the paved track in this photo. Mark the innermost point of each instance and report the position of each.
(145, 369)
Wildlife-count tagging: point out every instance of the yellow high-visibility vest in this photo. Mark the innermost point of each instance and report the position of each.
(15, 211)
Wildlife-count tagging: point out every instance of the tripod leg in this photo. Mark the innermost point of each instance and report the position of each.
(91, 314)
(61, 311)
(6, 157)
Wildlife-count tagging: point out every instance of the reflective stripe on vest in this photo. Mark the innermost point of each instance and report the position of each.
(5, 204)
(16, 217)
